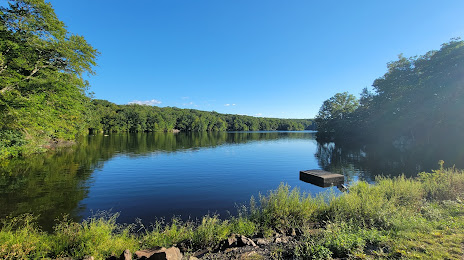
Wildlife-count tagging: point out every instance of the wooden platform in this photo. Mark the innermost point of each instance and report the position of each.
(321, 178)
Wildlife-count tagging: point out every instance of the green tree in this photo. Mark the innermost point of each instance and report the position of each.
(333, 113)
(42, 95)
(418, 101)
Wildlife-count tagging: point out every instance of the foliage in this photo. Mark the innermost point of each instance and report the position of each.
(109, 117)
(443, 185)
(283, 208)
(339, 239)
(312, 250)
(334, 111)
(419, 101)
(98, 236)
(10, 143)
(394, 218)
(42, 93)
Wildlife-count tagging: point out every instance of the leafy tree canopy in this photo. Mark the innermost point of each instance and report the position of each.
(42, 90)
(419, 100)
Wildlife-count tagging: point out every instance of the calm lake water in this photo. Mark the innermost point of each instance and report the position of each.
(156, 175)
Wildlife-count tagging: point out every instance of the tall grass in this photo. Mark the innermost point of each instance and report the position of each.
(284, 208)
(393, 218)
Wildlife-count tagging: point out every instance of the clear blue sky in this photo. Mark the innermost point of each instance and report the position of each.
(254, 57)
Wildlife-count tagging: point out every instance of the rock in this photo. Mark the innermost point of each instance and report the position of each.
(282, 240)
(126, 255)
(246, 241)
(193, 258)
(88, 257)
(228, 243)
(236, 241)
(148, 252)
(172, 253)
(261, 241)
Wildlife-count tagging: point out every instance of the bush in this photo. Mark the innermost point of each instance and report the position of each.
(443, 184)
(282, 209)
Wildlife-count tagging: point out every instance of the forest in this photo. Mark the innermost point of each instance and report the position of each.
(418, 102)
(108, 117)
(44, 97)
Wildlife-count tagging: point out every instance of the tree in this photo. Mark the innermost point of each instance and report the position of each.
(42, 90)
(333, 112)
(419, 100)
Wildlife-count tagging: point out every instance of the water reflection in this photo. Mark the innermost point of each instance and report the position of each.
(56, 183)
(188, 173)
(368, 161)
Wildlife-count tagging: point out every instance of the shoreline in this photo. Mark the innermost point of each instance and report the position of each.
(393, 218)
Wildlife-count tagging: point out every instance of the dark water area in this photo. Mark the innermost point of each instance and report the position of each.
(161, 175)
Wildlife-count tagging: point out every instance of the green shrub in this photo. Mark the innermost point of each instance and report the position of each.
(310, 250)
(282, 208)
(401, 191)
(443, 184)
(211, 231)
(21, 238)
(365, 204)
(167, 235)
(98, 236)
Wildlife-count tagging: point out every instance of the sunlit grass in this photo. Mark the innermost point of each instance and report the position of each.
(419, 218)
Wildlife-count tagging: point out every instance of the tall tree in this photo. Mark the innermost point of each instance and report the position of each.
(418, 101)
(333, 113)
(42, 90)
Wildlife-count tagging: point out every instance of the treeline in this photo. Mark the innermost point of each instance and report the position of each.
(418, 102)
(109, 117)
(43, 98)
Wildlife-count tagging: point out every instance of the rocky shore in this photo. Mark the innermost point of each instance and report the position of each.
(234, 247)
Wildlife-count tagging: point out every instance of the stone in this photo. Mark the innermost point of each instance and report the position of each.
(148, 252)
(193, 258)
(261, 242)
(282, 240)
(231, 241)
(172, 253)
(246, 241)
(126, 255)
(236, 241)
(88, 257)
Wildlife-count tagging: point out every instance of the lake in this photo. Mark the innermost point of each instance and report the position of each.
(161, 175)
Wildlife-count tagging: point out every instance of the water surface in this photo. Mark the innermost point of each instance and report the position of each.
(156, 175)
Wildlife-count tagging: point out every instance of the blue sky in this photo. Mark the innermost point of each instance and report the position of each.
(255, 57)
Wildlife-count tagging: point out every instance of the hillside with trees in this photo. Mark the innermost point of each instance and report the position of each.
(108, 117)
(43, 99)
(418, 102)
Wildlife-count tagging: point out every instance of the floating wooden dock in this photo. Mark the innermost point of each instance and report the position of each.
(322, 178)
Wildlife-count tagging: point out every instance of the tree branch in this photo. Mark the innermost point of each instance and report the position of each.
(5, 89)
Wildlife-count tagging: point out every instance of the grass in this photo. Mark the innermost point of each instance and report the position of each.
(400, 218)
